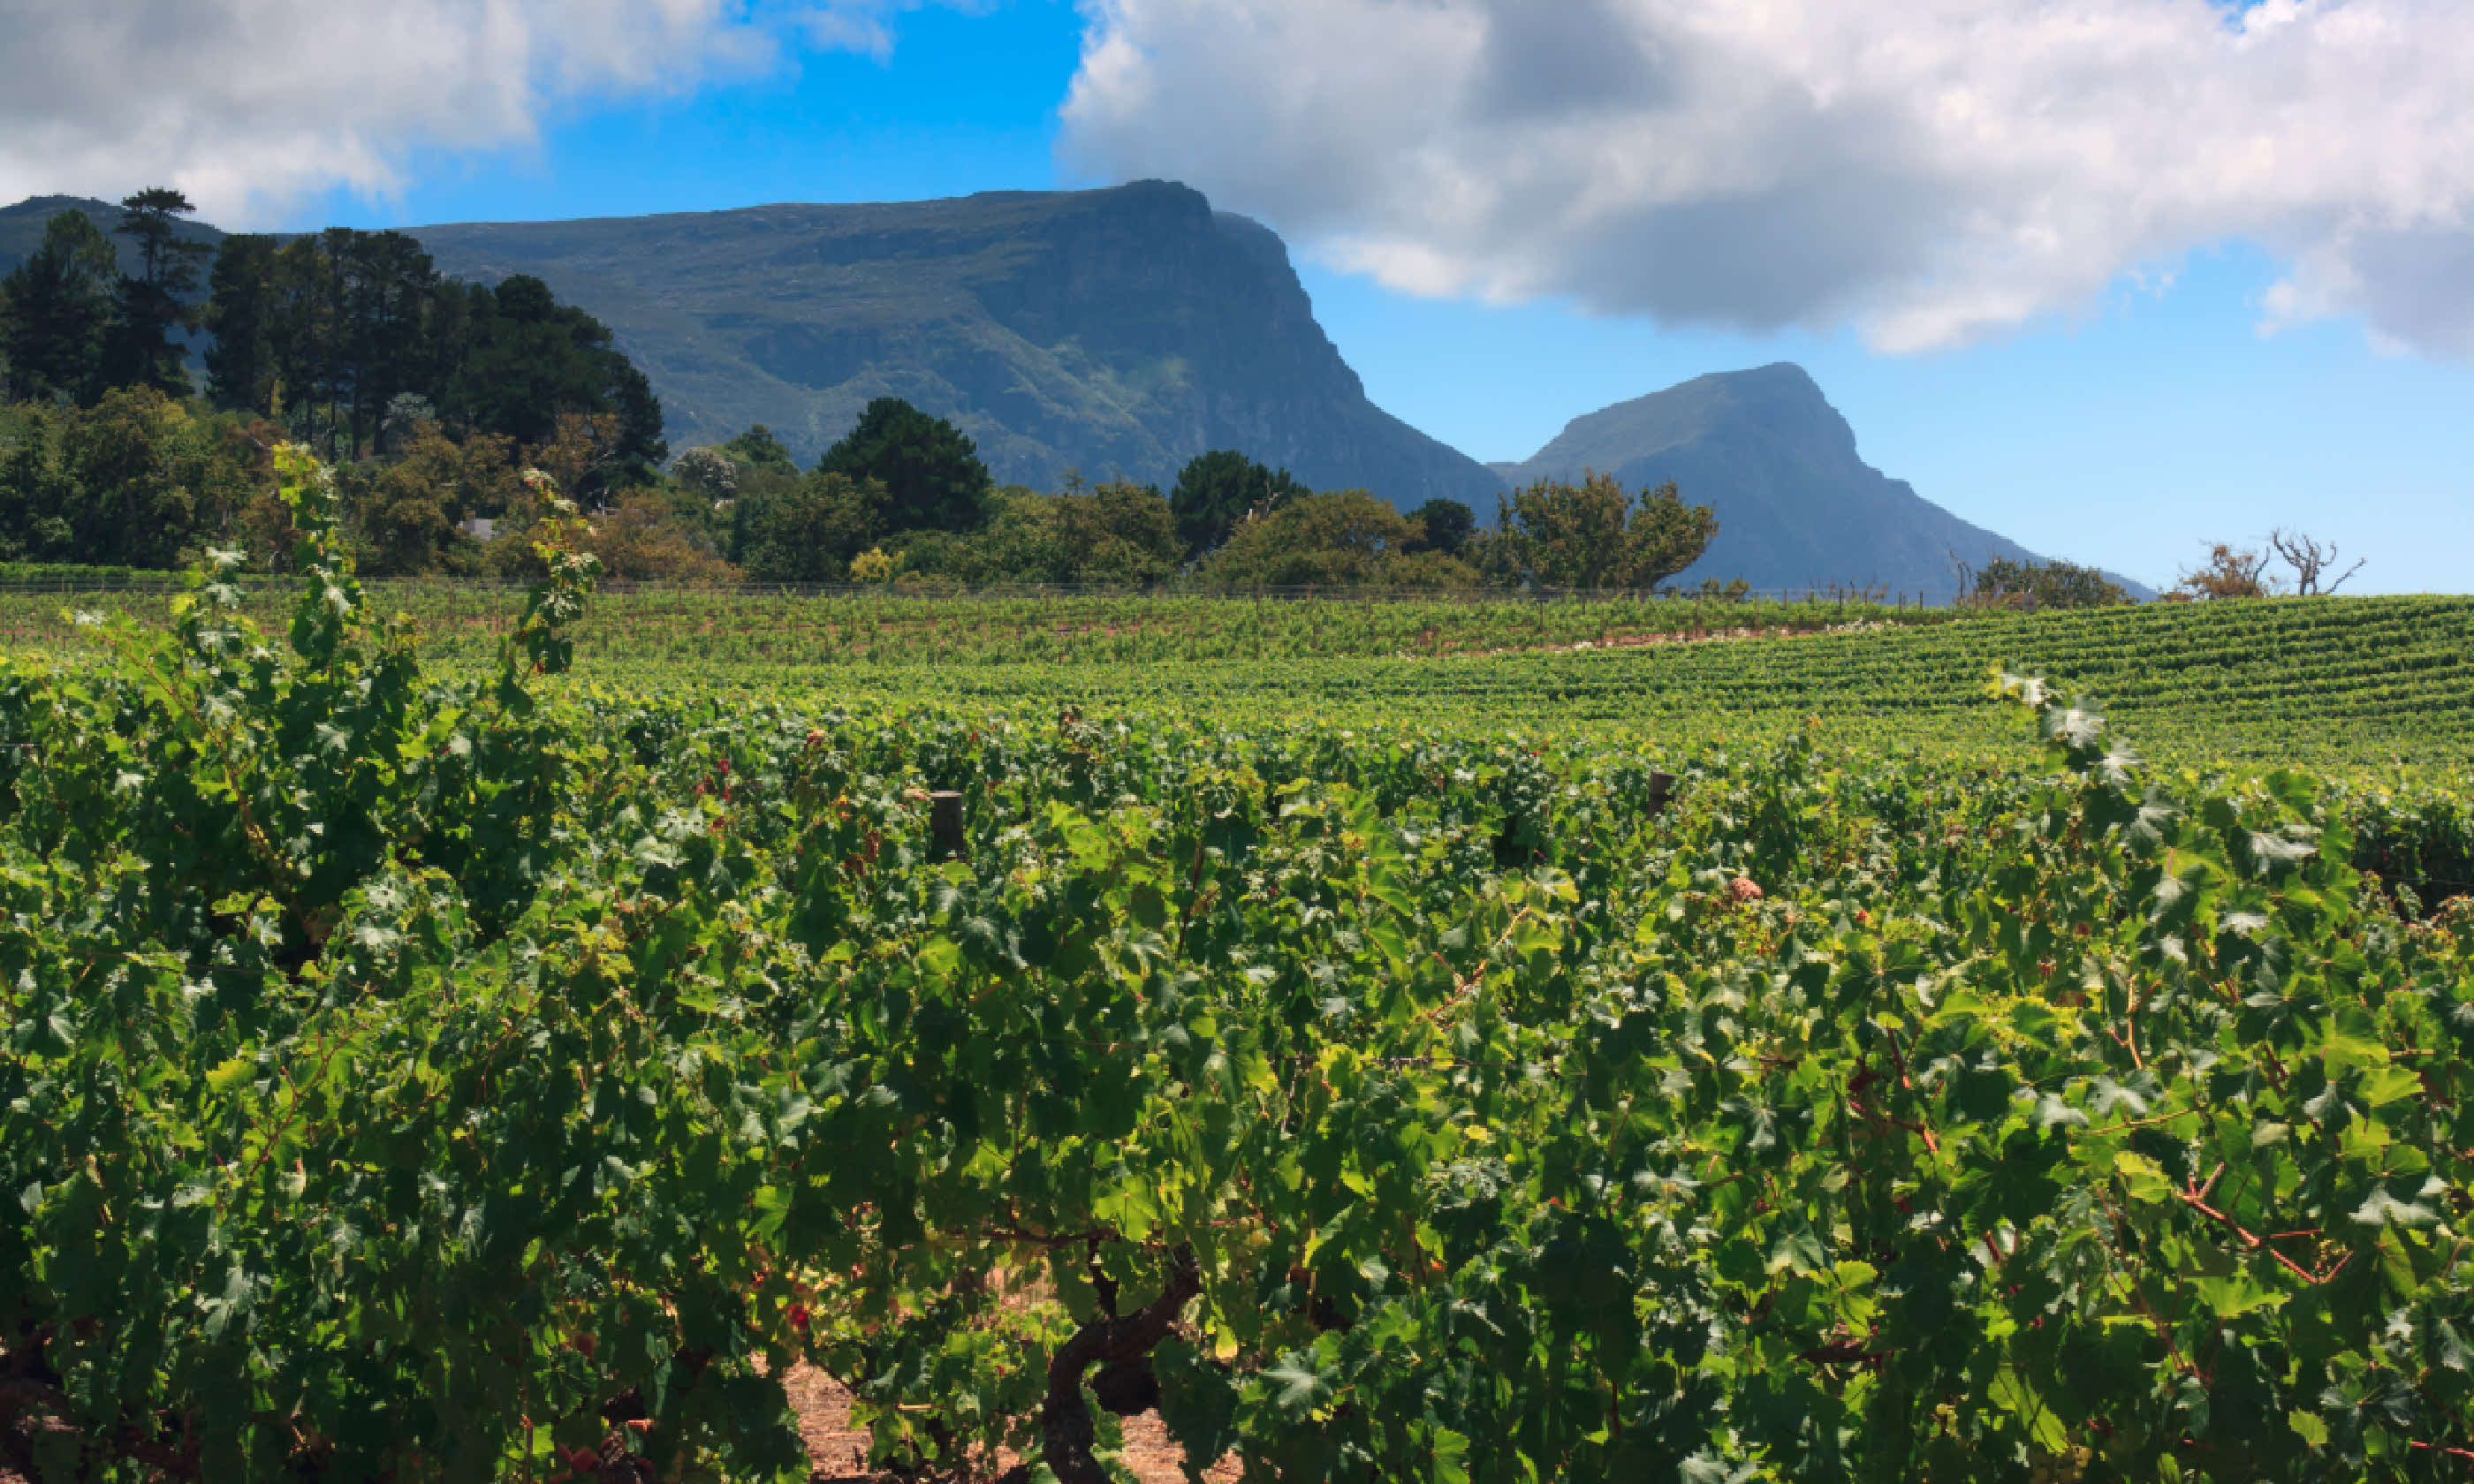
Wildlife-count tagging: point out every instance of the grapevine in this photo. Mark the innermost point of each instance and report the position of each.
(506, 1075)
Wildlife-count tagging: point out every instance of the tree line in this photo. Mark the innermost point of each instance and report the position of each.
(335, 336)
(906, 498)
(118, 446)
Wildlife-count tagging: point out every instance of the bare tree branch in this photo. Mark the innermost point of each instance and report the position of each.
(2310, 561)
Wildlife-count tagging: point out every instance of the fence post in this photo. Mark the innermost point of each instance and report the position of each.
(945, 818)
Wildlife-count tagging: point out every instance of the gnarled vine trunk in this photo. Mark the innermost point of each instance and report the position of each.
(1067, 1431)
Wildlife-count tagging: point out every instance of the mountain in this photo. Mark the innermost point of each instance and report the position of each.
(1796, 507)
(1126, 330)
(1106, 331)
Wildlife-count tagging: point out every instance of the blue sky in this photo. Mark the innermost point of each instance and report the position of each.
(2127, 428)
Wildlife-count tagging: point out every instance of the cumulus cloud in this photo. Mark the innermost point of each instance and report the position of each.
(1934, 171)
(246, 105)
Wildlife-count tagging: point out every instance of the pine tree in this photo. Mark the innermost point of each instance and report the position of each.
(1217, 492)
(61, 313)
(155, 300)
(931, 469)
(241, 372)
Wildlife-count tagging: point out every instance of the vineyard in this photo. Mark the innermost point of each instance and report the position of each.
(444, 1063)
(893, 628)
(2359, 685)
(2351, 684)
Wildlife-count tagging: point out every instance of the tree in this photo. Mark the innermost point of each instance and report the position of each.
(406, 413)
(1590, 535)
(873, 567)
(931, 469)
(759, 449)
(1342, 538)
(34, 494)
(134, 507)
(155, 300)
(325, 333)
(407, 512)
(646, 538)
(2230, 572)
(1442, 525)
(133, 481)
(241, 373)
(2041, 585)
(305, 354)
(709, 473)
(1217, 492)
(520, 360)
(808, 530)
(2309, 560)
(641, 449)
(382, 286)
(61, 313)
(1119, 533)
(337, 325)
(579, 451)
(1022, 542)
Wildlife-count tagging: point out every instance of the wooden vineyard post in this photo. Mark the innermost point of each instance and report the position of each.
(945, 820)
(1662, 792)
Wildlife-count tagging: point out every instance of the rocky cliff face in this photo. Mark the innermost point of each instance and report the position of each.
(1105, 333)
(1796, 507)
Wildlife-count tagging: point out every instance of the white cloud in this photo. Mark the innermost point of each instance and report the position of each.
(1934, 171)
(867, 25)
(249, 104)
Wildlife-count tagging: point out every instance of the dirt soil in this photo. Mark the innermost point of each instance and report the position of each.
(839, 1452)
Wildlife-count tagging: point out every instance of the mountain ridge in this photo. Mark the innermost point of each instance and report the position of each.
(1797, 505)
(1092, 332)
